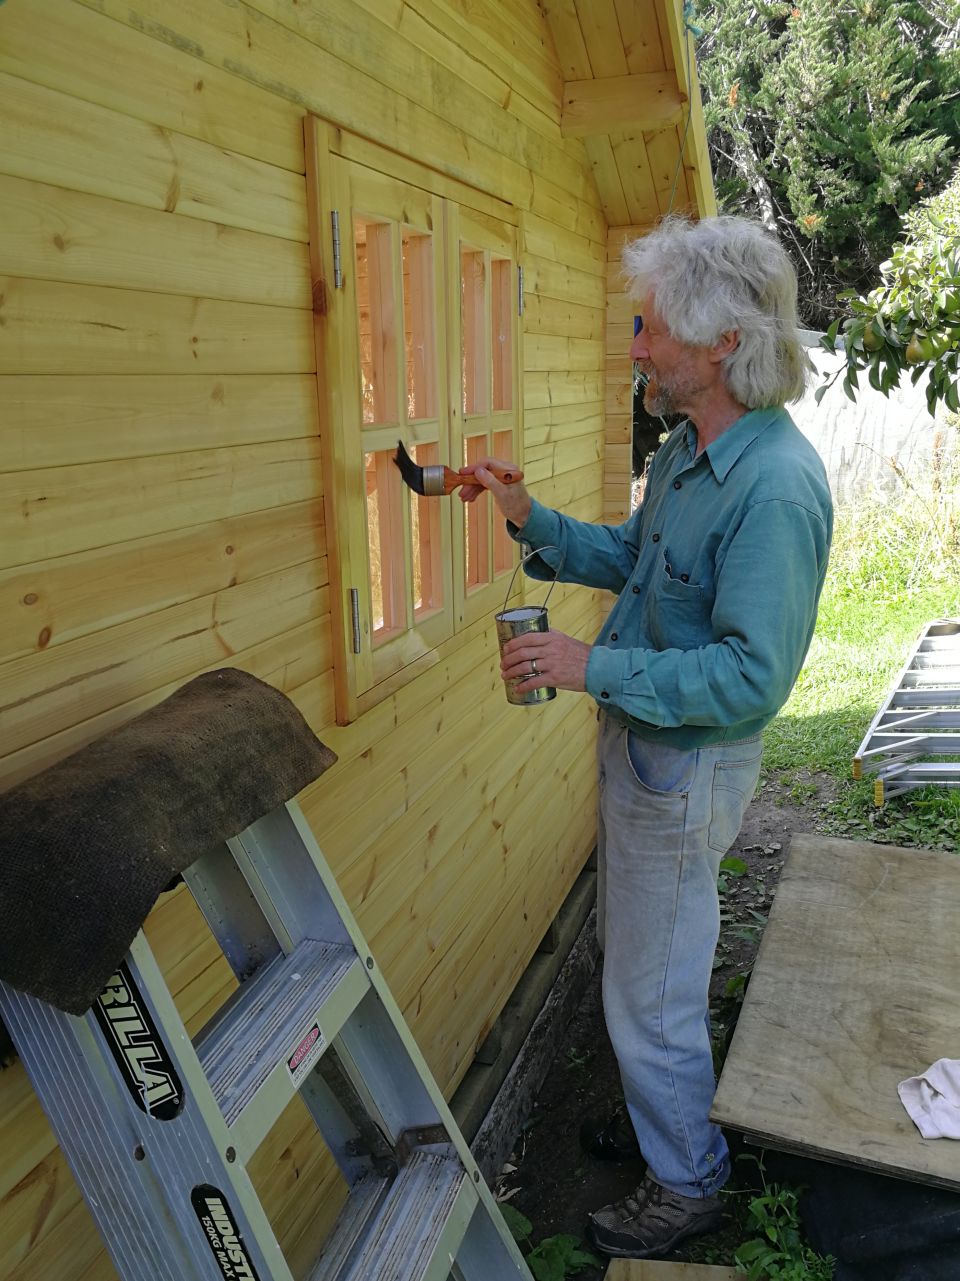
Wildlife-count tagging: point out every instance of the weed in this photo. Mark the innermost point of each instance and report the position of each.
(554, 1258)
(577, 1060)
(779, 1250)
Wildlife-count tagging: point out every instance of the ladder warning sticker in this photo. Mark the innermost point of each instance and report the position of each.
(135, 1043)
(222, 1233)
(302, 1060)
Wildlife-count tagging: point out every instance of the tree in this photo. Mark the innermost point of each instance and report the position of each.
(828, 119)
(912, 318)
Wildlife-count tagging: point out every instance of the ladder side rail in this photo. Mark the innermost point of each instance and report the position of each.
(508, 1248)
(231, 911)
(897, 684)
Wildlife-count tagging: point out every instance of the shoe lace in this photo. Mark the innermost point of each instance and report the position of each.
(634, 1203)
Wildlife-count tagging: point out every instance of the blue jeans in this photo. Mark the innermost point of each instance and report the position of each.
(666, 818)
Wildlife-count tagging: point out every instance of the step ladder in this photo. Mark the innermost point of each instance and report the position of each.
(919, 719)
(158, 1129)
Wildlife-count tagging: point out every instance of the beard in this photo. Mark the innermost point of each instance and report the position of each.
(670, 393)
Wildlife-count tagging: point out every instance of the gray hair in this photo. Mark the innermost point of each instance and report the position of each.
(719, 274)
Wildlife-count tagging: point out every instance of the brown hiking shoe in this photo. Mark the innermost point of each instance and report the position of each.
(651, 1221)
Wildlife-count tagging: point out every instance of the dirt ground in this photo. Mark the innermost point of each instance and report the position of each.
(552, 1181)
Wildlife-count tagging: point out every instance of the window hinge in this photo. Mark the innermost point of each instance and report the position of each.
(520, 291)
(355, 618)
(337, 265)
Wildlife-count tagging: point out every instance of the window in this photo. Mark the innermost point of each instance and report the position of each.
(418, 341)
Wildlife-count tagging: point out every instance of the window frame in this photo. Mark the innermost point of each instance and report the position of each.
(339, 166)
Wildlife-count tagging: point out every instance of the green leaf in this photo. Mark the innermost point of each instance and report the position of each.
(734, 865)
(519, 1225)
(819, 394)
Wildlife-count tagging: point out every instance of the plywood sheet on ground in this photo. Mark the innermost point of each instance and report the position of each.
(644, 1270)
(856, 986)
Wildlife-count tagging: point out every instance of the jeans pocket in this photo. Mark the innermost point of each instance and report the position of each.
(665, 771)
(734, 783)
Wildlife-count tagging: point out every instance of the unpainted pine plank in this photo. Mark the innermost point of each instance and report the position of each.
(601, 35)
(47, 327)
(607, 177)
(281, 661)
(238, 38)
(554, 278)
(669, 180)
(853, 991)
(50, 233)
(60, 510)
(581, 217)
(45, 604)
(87, 55)
(550, 424)
(87, 418)
(367, 45)
(640, 32)
(546, 315)
(54, 138)
(634, 168)
(546, 240)
(45, 693)
(564, 24)
(546, 352)
(561, 388)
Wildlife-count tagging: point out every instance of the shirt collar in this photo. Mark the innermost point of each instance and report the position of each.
(723, 452)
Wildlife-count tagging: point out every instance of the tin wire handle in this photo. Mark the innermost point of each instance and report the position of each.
(548, 547)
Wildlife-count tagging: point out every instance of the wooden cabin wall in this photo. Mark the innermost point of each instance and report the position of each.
(162, 490)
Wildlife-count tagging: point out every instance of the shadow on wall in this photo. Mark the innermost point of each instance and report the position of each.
(865, 445)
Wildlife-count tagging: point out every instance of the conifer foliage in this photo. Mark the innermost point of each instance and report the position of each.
(828, 119)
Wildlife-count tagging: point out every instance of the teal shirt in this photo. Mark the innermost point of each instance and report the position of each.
(717, 573)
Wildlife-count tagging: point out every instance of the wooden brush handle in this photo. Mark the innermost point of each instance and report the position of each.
(506, 476)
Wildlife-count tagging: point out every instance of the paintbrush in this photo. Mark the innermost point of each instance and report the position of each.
(436, 481)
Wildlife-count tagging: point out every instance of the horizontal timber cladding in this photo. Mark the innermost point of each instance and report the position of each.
(162, 489)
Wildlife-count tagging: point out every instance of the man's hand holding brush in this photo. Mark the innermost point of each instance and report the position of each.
(540, 658)
(513, 500)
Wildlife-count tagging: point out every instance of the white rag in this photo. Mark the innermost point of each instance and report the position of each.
(932, 1100)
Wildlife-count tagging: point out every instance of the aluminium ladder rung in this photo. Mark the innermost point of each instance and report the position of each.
(276, 1026)
(418, 1229)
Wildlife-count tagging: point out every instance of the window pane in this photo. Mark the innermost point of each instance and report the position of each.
(375, 304)
(385, 534)
(477, 522)
(426, 515)
(501, 317)
(503, 544)
(473, 355)
(418, 325)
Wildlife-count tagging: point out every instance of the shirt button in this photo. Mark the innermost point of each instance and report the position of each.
(613, 635)
(636, 591)
(604, 694)
(656, 538)
(684, 578)
(678, 484)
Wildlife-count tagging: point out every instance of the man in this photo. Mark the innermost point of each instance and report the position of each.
(717, 575)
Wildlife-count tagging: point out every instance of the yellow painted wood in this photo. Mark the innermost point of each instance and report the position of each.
(641, 36)
(47, 603)
(553, 388)
(56, 422)
(645, 100)
(669, 182)
(549, 352)
(678, 49)
(60, 510)
(853, 991)
(54, 328)
(547, 240)
(53, 234)
(546, 315)
(551, 278)
(137, 75)
(54, 138)
(633, 165)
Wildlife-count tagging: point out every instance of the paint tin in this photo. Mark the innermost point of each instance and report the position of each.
(519, 620)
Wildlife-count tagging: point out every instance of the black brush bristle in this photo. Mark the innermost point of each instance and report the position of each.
(411, 473)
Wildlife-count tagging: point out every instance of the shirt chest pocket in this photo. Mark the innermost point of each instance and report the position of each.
(678, 610)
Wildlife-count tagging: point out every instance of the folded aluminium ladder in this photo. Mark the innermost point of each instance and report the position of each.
(919, 719)
(159, 1129)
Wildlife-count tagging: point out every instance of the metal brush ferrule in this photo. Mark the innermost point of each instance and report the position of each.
(433, 481)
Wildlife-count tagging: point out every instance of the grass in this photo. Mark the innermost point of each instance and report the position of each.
(895, 566)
